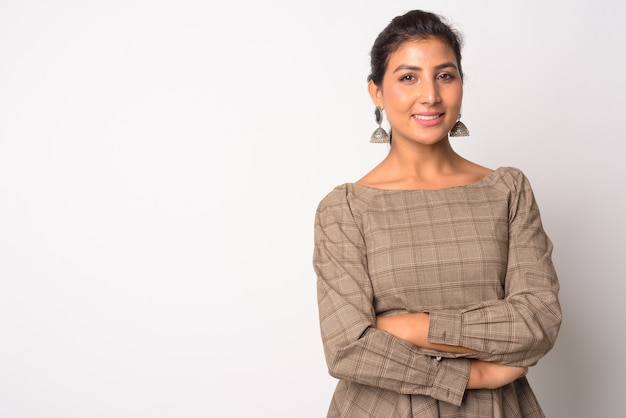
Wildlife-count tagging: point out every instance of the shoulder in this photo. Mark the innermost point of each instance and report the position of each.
(337, 196)
(516, 186)
(349, 199)
(510, 180)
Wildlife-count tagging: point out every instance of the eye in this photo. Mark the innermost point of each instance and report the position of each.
(408, 78)
(446, 77)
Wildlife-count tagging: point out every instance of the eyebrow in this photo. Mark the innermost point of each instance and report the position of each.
(415, 68)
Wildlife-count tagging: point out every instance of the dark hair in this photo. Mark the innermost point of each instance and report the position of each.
(416, 24)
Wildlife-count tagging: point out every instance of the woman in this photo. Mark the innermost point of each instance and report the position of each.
(436, 289)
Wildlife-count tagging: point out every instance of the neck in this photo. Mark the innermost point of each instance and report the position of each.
(422, 161)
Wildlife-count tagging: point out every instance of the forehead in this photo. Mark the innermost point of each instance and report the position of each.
(422, 53)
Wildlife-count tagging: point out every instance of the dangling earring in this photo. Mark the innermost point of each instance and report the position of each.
(380, 135)
(459, 129)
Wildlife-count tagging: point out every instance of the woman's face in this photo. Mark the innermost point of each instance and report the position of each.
(421, 91)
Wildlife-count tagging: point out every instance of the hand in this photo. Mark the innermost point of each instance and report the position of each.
(486, 375)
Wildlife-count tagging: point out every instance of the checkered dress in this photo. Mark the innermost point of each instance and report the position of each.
(475, 257)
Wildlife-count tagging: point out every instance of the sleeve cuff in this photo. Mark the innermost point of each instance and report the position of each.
(451, 380)
(445, 328)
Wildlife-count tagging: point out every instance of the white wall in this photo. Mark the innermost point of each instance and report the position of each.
(160, 165)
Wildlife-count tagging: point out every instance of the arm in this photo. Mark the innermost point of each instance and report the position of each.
(487, 375)
(413, 327)
(355, 350)
(521, 328)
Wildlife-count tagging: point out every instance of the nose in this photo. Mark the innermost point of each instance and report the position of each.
(429, 92)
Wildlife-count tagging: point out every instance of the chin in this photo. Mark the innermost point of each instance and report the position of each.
(432, 140)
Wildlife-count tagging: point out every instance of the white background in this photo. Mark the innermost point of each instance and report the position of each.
(160, 166)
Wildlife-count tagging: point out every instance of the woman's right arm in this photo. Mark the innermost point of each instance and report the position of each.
(355, 350)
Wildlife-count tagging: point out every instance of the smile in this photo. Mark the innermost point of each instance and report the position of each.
(424, 117)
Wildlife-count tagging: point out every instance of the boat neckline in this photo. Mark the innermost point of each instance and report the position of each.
(485, 179)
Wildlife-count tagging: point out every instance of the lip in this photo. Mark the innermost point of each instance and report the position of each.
(428, 118)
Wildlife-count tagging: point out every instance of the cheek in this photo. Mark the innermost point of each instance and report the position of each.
(456, 95)
(397, 96)
(452, 99)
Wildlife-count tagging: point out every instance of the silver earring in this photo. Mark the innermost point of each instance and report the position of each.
(379, 136)
(459, 129)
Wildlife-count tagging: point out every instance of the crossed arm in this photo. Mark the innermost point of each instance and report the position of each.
(413, 328)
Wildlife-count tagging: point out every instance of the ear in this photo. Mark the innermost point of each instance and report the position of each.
(376, 94)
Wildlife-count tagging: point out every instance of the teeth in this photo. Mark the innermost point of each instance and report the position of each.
(420, 117)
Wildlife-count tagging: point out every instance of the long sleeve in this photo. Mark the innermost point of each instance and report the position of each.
(523, 326)
(355, 350)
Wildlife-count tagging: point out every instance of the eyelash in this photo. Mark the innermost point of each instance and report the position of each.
(446, 76)
(443, 76)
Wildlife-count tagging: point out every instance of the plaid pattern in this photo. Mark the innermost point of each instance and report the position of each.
(476, 257)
